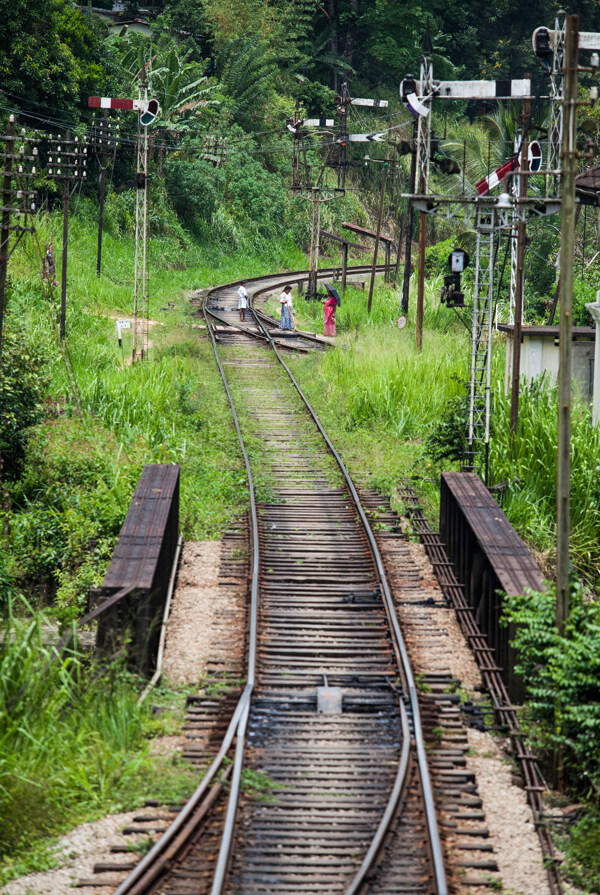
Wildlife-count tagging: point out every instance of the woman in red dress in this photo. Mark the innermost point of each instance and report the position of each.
(329, 308)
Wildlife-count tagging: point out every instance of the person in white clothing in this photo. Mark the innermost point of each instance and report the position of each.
(242, 301)
(287, 319)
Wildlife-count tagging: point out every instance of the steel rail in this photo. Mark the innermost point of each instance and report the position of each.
(239, 718)
(399, 645)
(262, 338)
(291, 275)
(242, 708)
(388, 815)
(224, 853)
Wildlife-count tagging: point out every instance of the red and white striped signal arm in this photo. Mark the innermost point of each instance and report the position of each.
(492, 180)
(110, 102)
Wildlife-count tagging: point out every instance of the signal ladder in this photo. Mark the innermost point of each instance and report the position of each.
(475, 458)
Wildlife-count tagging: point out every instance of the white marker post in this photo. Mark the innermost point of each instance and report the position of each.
(121, 325)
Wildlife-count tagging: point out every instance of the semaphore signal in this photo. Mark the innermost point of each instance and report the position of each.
(148, 110)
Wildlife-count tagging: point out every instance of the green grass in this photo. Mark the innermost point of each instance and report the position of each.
(528, 463)
(73, 745)
(64, 521)
(378, 396)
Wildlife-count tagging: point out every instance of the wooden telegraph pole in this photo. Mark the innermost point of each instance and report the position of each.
(103, 138)
(65, 240)
(521, 237)
(563, 479)
(377, 235)
(5, 228)
(409, 223)
(421, 282)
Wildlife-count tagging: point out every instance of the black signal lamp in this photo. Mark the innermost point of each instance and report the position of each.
(408, 86)
(452, 296)
(542, 47)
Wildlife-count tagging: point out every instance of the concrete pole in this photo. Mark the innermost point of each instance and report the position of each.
(563, 478)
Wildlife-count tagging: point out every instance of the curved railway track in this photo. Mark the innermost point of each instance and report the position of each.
(327, 727)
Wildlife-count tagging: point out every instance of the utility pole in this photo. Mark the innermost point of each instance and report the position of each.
(148, 110)
(563, 479)
(18, 199)
(6, 210)
(70, 163)
(65, 245)
(399, 250)
(102, 190)
(319, 192)
(421, 281)
(409, 222)
(377, 235)
(521, 242)
(103, 138)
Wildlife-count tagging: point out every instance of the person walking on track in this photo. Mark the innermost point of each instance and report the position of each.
(242, 301)
(287, 318)
(332, 302)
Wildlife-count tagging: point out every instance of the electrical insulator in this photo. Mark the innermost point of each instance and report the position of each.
(20, 169)
(33, 170)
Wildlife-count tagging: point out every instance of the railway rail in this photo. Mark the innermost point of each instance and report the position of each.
(328, 724)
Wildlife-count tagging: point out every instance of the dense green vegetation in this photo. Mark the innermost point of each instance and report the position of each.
(227, 74)
(72, 747)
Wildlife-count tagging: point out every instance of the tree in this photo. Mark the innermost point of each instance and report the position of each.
(51, 56)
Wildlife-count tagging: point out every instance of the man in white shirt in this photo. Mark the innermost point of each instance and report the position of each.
(242, 301)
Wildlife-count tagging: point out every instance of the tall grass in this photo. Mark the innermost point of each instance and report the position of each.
(528, 463)
(72, 743)
(169, 409)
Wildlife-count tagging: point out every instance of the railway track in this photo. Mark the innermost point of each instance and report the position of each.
(328, 790)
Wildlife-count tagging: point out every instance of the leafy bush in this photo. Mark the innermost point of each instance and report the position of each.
(448, 436)
(72, 741)
(23, 385)
(582, 864)
(562, 676)
(69, 506)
